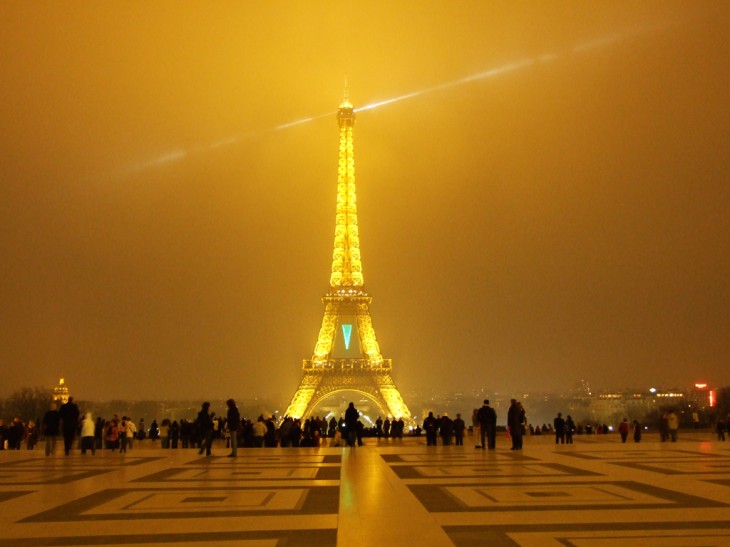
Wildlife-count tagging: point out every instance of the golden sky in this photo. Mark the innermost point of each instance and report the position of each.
(546, 201)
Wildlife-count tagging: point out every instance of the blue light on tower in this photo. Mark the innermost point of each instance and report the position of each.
(347, 332)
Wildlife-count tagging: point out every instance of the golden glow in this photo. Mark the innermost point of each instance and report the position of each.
(346, 265)
(326, 334)
(368, 342)
(369, 374)
(60, 392)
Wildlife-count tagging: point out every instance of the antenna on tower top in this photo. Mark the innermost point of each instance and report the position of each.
(346, 103)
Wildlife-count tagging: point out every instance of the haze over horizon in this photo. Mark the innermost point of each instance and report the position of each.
(542, 188)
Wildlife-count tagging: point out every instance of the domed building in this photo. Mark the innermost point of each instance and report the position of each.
(60, 393)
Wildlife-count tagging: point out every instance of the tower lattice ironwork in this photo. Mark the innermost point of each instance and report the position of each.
(347, 356)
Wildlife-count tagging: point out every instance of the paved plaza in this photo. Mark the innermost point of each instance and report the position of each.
(596, 492)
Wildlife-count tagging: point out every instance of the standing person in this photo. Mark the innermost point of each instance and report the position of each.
(295, 433)
(720, 428)
(351, 418)
(88, 430)
(259, 432)
(131, 432)
(69, 414)
(637, 432)
(51, 426)
(459, 427)
(569, 429)
(185, 432)
(488, 425)
(154, 431)
(216, 428)
(270, 433)
(17, 432)
(559, 425)
(430, 426)
(123, 430)
(174, 433)
(446, 429)
(11, 434)
(476, 428)
(111, 435)
(31, 435)
(165, 433)
(379, 427)
(515, 419)
(623, 429)
(663, 427)
(205, 428)
(401, 425)
(234, 423)
(523, 421)
(672, 425)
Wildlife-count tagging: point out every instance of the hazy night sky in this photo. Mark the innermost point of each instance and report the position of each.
(564, 217)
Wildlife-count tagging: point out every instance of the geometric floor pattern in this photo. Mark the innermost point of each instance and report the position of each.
(597, 492)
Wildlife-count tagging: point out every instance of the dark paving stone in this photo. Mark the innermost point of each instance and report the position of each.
(284, 538)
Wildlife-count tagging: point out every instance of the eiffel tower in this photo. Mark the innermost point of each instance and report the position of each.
(347, 356)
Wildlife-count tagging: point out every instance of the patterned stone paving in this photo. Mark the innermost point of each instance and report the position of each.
(596, 492)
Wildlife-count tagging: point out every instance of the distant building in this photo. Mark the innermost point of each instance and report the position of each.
(60, 393)
(701, 398)
(612, 407)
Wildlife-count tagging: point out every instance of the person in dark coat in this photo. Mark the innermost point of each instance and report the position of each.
(351, 418)
(446, 428)
(623, 429)
(205, 428)
(515, 419)
(637, 431)
(430, 426)
(174, 433)
(487, 417)
(569, 430)
(234, 424)
(51, 427)
(69, 414)
(459, 427)
(559, 426)
(15, 434)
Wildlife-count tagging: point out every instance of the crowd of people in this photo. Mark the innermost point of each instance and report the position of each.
(484, 427)
(67, 423)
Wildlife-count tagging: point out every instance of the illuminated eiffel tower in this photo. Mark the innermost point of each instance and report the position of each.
(347, 356)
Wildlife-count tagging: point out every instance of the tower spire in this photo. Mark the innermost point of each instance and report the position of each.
(346, 263)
